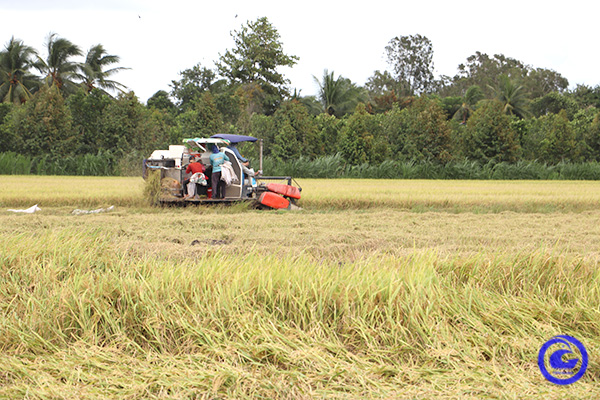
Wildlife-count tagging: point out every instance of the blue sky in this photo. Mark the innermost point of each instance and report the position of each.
(158, 39)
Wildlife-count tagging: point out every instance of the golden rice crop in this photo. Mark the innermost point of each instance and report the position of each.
(82, 320)
(77, 191)
(522, 196)
(356, 296)
(340, 194)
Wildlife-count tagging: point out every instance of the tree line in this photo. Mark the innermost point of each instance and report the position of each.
(496, 109)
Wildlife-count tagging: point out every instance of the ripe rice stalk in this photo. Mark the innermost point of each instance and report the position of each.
(103, 307)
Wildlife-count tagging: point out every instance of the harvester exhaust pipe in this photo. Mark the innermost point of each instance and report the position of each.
(260, 157)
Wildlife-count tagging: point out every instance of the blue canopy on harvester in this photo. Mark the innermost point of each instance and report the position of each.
(234, 138)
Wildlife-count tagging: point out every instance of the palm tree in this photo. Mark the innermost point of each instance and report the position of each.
(16, 83)
(338, 96)
(58, 68)
(472, 96)
(93, 73)
(513, 97)
(313, 106)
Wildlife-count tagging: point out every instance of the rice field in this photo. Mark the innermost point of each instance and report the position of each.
(325, 195)
(376, 289)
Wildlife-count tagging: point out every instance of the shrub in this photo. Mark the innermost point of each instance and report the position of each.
(14, 164)
(489, 135)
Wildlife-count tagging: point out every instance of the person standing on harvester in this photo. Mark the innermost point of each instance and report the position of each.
(216, 160)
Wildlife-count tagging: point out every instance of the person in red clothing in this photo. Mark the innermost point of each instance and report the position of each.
(195, 166)
(192, 168)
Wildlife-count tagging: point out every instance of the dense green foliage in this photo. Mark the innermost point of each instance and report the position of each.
(334, 166)
(494, 111)
(337, 167)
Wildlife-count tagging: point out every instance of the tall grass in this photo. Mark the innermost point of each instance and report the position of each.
(81, 165)
(333, 166)
(14, 164)
(268, 326)
(336, 167)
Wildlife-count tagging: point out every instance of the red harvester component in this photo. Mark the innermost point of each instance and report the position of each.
(285, 190)
(273, 200)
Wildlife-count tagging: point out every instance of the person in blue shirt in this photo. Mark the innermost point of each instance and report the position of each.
(216, 160)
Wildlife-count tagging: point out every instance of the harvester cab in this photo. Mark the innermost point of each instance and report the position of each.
(246, 185)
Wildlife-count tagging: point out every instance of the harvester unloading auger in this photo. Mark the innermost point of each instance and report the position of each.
(246, 185)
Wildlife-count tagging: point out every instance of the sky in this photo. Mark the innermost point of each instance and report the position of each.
(159, 39)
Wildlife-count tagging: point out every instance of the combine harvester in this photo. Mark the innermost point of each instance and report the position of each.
(249, 187)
